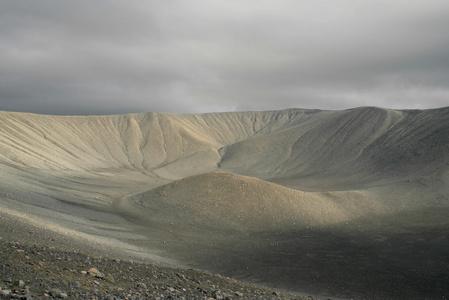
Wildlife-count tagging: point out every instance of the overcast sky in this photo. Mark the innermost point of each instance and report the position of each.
(108, 57)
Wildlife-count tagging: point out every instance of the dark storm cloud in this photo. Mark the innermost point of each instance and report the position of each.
(102, 57)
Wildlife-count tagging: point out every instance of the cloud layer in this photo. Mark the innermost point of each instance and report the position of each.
(103, 57)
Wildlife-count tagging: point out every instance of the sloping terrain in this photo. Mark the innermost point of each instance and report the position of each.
(224, 201)
(363, 146)
(286, 198)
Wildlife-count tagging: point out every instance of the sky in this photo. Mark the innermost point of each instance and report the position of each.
(88, 57)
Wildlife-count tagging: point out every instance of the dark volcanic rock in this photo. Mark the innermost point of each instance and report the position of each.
(45, 273)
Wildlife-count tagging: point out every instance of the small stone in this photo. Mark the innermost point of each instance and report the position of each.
(4, 294)
(96, 282)
(20, 283)
(238, 294)
(142, 285)
(84, 272)
(93, 272)
(63, 295)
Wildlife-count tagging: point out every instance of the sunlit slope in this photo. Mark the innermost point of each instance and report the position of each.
(355, 146)
(225, 201)
(169, 145)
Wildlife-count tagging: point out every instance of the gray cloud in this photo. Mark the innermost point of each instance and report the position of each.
(102, 57)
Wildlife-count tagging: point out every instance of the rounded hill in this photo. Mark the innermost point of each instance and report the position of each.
(227, 201)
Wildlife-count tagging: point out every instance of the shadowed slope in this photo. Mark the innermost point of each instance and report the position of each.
(347, 149)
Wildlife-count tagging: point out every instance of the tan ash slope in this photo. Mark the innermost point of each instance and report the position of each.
(355, 146)
(304, 149)
(292, 198)
(144, 142)
(347, 149)
(225, 201)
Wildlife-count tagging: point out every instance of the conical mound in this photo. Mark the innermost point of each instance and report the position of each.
(228, 201)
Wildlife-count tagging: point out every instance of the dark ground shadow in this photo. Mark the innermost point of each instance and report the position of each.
(351, 261)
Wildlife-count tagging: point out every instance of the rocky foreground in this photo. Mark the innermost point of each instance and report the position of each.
(38, 272)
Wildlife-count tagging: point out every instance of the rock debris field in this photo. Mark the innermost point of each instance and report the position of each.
(47, 273)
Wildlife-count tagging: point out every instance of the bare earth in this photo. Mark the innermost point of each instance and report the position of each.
(341, 204)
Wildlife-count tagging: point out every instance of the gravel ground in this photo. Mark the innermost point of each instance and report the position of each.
(37, 263)
(38, 272)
